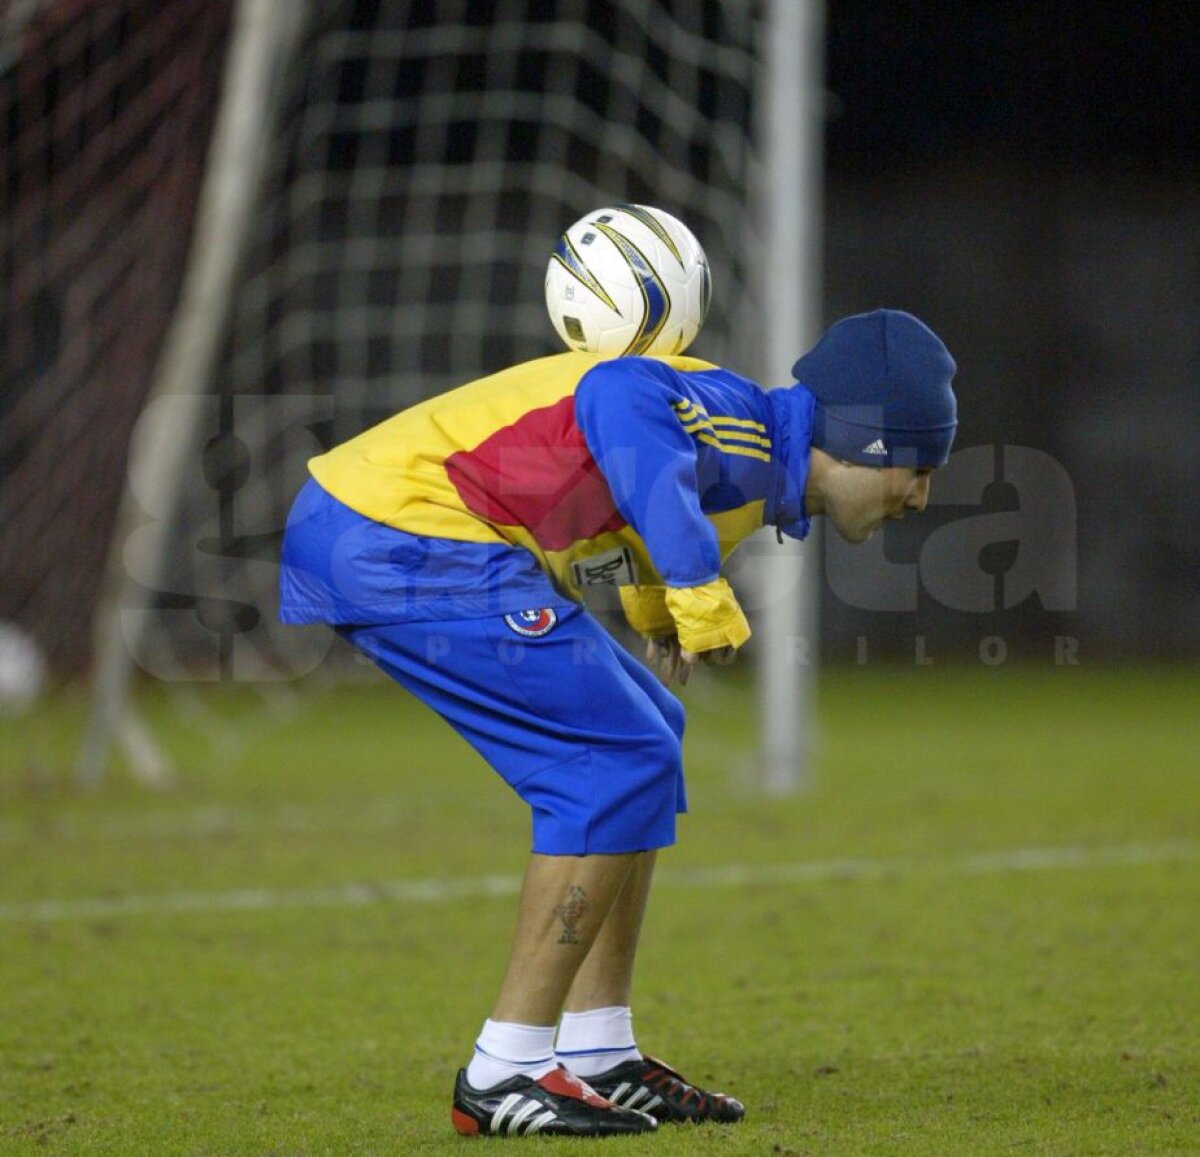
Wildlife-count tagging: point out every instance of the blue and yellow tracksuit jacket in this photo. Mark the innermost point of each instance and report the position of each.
(638, 472)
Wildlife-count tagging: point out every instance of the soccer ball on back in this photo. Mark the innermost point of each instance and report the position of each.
(628, 280)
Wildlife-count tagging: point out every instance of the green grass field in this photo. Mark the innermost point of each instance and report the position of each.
(978, 934)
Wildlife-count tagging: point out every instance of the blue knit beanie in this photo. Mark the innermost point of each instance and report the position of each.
(882, 383)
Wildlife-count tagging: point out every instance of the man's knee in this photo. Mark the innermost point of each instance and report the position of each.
(674, 715)
(663, 748)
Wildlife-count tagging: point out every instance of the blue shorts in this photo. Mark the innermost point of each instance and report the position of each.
(583, 733)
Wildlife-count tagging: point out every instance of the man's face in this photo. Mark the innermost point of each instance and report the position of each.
(858, 499)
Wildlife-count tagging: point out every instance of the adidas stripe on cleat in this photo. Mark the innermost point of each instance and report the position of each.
(557, 1104)
(649, 1086)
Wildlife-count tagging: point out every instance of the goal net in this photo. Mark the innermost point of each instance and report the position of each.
(105, 108)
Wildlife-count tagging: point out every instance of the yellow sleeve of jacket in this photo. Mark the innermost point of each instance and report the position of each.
(704, 617)
(646, 611)
(707, 617)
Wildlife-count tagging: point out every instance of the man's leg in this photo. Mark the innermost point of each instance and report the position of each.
(513, 1084)
(562, 718)
(575, 919)
(595, 1034)
(595, 1038)
(605, 979)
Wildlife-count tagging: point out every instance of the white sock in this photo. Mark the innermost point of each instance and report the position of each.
(592, 1042)
(509, 1050)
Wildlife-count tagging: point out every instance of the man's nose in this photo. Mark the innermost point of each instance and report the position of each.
(918, 498)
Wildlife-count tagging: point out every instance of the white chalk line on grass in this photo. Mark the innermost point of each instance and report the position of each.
(203, 823)
(434, 891)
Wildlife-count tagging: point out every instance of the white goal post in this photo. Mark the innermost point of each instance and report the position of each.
(793, 108)
(264, 38)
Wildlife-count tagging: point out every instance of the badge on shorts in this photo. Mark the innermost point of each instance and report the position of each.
(532, 624)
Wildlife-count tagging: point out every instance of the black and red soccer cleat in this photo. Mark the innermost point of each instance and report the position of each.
(652, 1087)
(557, 1104)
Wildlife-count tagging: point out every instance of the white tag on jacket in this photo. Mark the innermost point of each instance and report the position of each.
(611, 568)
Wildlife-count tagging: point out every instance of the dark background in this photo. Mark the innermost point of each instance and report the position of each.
(1027, 178)
(1108, 88)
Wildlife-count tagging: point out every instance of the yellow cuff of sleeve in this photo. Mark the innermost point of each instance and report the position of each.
(646, 611)
(707, 617)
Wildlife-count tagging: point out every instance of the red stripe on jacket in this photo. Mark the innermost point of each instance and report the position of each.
(537, 473)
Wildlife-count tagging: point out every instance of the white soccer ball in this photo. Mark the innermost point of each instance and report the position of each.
(628, 280)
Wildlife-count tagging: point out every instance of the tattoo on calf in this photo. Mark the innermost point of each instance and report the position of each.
(570, 912)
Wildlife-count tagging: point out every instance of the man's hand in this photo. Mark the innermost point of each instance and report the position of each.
(673, 662)
(669, 660)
